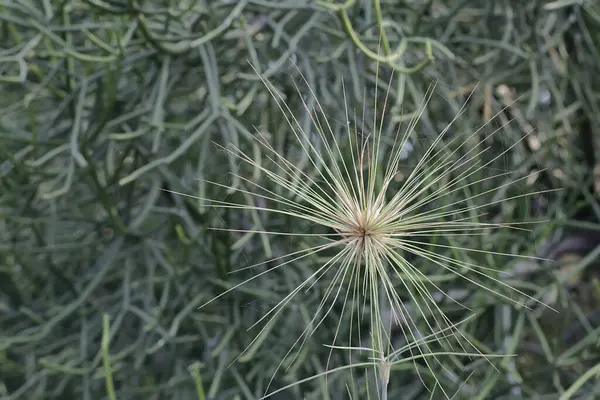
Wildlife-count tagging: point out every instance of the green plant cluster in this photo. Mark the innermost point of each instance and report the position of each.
(107, 106)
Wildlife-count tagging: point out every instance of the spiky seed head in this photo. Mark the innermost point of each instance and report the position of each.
(377, 222)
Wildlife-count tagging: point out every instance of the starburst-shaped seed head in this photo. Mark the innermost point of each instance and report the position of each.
(350, 185)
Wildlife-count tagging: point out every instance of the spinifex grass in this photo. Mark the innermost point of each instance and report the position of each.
(376, 218)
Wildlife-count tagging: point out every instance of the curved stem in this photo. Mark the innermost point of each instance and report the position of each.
(384, 39)
(390, 57)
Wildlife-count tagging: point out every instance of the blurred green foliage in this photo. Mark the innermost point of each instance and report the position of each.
(106, 102)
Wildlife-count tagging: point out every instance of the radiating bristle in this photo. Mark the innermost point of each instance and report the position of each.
(379, 224)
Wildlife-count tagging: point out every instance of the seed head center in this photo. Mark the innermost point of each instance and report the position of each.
(364, 234)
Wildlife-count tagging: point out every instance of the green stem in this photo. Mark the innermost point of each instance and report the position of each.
(383, 367)
(580, 382)
(383, 381)
(390, 58)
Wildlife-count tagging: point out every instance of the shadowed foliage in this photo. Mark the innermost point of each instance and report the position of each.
(108, 106)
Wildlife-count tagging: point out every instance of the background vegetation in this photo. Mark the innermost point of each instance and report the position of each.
(105, 102)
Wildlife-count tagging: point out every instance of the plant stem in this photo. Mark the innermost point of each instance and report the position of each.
(383, 382)
(380, 347)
